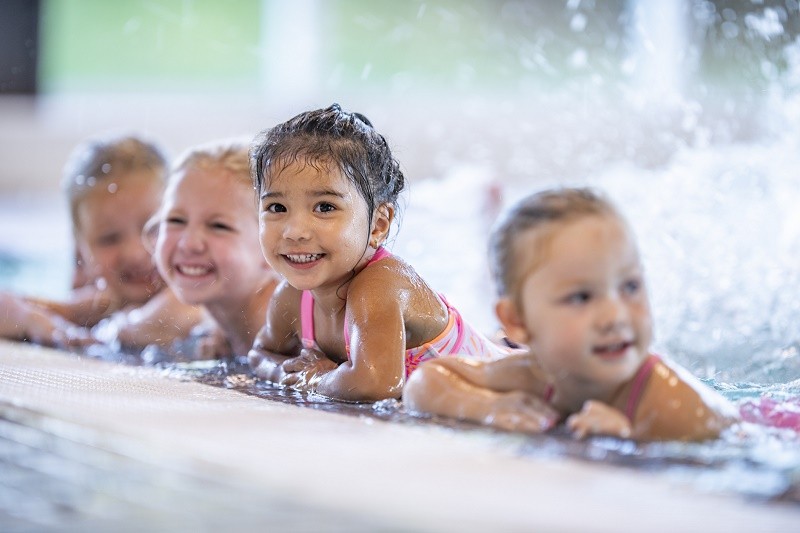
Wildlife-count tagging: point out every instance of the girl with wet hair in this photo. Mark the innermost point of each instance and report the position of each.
(114, 185)
(349, 320)
(571, 288)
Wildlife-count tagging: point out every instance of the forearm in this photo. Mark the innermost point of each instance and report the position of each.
(349, 383)
(435, 389)
(511, 373)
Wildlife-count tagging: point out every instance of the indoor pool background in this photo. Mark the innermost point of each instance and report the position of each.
(702, 156)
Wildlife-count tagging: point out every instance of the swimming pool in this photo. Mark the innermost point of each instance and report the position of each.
(720, 266)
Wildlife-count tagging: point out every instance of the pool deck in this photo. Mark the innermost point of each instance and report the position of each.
(324, 471)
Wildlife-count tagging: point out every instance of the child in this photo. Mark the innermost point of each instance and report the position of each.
(572, 289)
(207, 242)
(350, 321)
(114, 185)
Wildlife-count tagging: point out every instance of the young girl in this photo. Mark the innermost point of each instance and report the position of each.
(207, 242)
(350, 321)
(114, 185)
(572, 289)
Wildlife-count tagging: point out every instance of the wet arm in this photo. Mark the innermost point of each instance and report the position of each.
(677, 406)
(376, 368)
(439, 387)
(160, 321)
(277, 341)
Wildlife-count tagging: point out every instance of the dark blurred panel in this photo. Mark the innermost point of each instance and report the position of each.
(19, 44)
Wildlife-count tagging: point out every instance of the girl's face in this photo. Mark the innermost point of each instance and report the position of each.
(109, 221)
(207, 245)
(314, 226)
(584, 307)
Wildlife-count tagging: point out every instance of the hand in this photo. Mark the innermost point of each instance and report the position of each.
(597, 418)
(304, 371)
(520, 411)
(52, 330)
(213, 345)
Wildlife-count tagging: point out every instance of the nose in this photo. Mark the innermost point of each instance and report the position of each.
(297, 227)
(192, 239)
(612, 313)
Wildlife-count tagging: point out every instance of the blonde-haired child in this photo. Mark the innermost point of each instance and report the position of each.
(572, 290)
(114, 185)
(350, 320)
(207, 247)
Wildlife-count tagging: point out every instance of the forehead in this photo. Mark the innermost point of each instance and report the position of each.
(574, 244)
(306, 171)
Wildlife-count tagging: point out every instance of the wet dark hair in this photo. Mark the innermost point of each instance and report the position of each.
(538, 210)
(334, 136)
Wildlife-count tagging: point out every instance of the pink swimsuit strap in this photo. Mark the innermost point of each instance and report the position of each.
(637, 388)
(307, 335)
(639, 382)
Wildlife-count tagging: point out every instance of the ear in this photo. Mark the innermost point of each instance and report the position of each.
(381, 222)
(510, 319)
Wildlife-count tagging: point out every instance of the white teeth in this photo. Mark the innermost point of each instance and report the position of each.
(188, 270)
(303, 258)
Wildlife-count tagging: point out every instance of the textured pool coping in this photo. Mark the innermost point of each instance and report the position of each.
(331, 471)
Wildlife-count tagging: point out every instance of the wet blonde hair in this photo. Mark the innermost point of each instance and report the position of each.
(96, 161)
(231, 154)
(541, 211)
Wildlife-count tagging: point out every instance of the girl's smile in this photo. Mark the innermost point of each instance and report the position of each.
(314, 225)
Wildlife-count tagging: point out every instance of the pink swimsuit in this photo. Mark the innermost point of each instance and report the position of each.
(458, 337)
(637, 388)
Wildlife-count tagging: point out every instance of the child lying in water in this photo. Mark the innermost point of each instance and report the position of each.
(114, 185)
(572, 290)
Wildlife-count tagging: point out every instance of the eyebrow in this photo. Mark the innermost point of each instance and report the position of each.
(314, 194)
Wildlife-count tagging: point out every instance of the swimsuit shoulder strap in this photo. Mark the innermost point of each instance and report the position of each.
(307, 320)
(639, 382)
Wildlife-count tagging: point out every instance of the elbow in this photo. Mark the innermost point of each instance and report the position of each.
(420, 385)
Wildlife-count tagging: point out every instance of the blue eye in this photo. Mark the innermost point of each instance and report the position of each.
(632, 286)
(578, 298)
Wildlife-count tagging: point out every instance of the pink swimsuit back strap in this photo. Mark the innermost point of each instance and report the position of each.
(639, 382)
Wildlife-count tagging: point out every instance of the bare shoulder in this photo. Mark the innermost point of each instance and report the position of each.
(393, 283)
(677, 405)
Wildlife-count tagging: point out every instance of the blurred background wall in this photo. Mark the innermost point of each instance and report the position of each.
(523, 89)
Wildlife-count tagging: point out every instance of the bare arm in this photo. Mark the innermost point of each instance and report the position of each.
(677, 406)
(161, 320)
(277, 341)
(674, 406)
(441, 387)
(21, 320)
(376, 366)
(86, 306)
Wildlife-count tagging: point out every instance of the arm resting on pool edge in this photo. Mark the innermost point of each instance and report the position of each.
(438, 387)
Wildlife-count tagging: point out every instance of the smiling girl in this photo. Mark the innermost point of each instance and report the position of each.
(350, 320)
(572, 290)
(207, 247)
